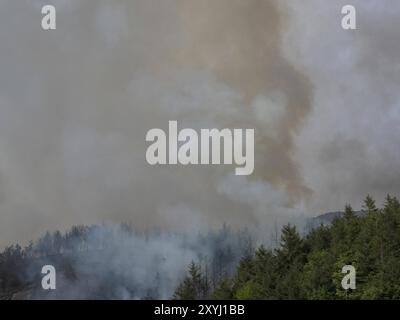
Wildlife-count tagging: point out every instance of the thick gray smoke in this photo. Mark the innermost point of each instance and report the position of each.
(76, 103)
(117, 262)
(349, 145)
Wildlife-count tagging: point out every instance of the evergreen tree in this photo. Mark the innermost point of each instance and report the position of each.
(194, 285)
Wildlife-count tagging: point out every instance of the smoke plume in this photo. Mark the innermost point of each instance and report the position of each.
(76, 104)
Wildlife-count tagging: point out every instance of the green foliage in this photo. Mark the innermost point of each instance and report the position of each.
(224, 290)
(311, 267)
(316, 278)
(194, 286)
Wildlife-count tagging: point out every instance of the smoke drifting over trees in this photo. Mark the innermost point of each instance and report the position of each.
(112, 71)
(76, 103)
(116, 262)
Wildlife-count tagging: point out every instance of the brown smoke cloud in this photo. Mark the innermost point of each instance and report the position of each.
(241, 41)
(76, 104)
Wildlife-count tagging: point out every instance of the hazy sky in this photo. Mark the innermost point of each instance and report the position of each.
(76, 104)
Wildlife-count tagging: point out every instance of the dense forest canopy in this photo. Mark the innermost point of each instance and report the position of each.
(117, 262)
(310, 267)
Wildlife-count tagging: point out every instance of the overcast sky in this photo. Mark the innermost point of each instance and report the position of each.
(76, 104)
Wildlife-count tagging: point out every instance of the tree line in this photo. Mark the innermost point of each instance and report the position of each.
(115, 261)
(310, 267)
(227, 264)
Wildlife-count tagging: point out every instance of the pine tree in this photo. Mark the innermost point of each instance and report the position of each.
(194, 286)
(369, 205)
(291, 246)
(290, 261)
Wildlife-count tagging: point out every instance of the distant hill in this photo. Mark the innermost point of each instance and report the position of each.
(327, 218)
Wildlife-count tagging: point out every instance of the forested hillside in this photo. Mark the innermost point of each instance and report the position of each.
(117, 262)
(310, 267)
